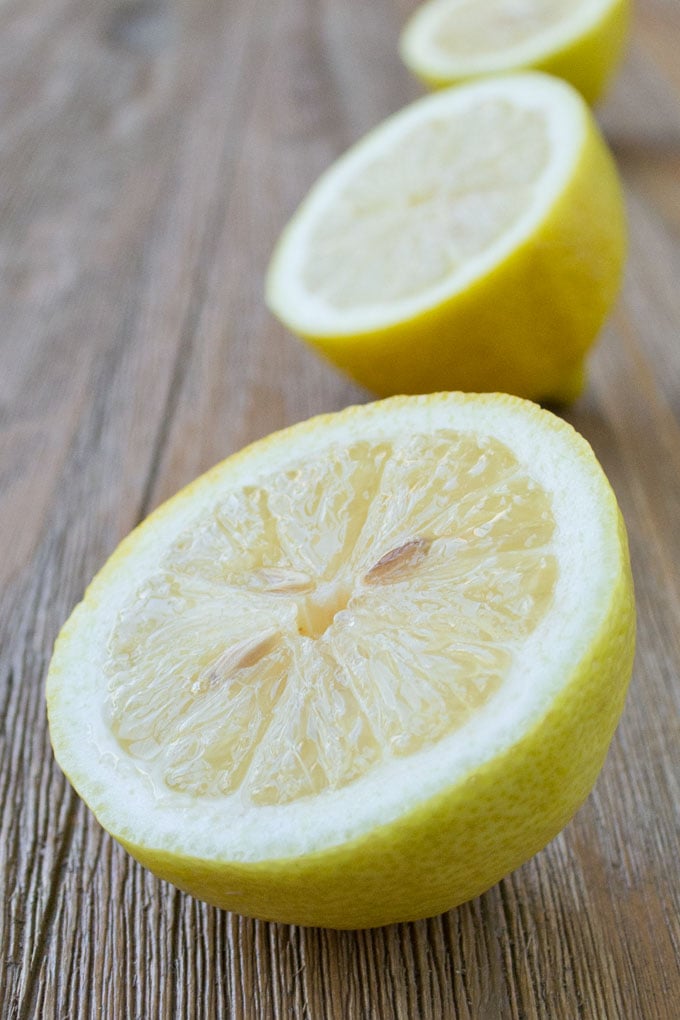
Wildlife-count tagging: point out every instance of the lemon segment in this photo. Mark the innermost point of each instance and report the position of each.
(473, 241)
(582, 41)
(360, 670)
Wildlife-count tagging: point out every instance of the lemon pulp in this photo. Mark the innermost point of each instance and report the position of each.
(353, 607)
(404, 225)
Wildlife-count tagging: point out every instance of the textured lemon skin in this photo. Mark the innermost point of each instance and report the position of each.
(461, 842)
(587, 62)
(523, 327)
(451, 847)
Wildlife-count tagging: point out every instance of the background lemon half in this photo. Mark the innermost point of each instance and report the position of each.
(582, 41)
(473, 241)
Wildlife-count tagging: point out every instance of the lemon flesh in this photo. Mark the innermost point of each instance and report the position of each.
(287, 690)
(447, 41)
(473, 241)
(322, 605)
(422, 212)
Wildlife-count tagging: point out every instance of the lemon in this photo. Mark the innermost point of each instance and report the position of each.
(473, 241)
(448, 41)
(360, 670)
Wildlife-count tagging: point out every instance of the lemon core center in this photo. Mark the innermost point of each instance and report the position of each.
(316, 612)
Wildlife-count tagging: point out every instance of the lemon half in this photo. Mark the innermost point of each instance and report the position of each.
(360, 670)
(473, 241)
(582, 41)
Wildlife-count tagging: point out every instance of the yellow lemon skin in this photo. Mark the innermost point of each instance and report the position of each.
(458, 844)
(588, 62)
(525, 326)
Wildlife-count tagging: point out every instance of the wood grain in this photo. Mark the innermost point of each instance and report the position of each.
(151, 152)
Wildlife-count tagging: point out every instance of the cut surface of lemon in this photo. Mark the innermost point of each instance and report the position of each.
(359, 671)
(473, 241)
(582, 41)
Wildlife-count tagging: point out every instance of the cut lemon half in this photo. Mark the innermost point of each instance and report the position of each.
(359, 671)
(582, 41)
(473, 241)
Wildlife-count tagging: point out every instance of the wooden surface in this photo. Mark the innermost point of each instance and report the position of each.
(150, 152)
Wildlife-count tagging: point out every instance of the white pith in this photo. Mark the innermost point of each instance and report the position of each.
(375, 188)
(425, 50)
(233, 828)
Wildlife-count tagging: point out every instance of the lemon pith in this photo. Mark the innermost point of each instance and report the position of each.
(448, 41)
(473, 241)
(391, 507)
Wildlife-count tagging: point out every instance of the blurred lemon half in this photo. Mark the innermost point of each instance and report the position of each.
(582, 41)
(360, 670)
(473, 241)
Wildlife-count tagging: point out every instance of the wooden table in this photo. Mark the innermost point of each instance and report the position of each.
(150, 154)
